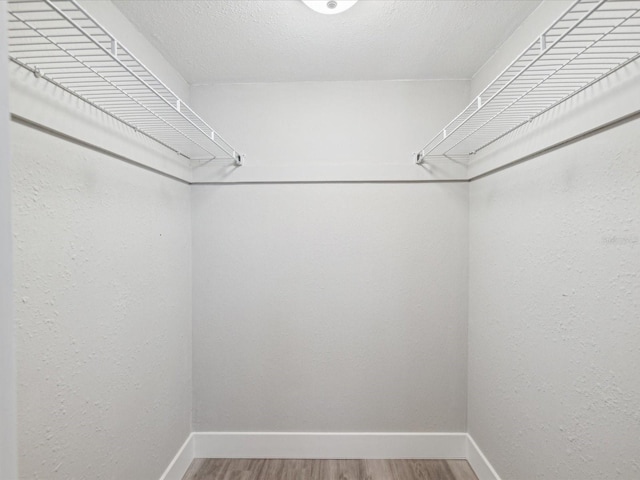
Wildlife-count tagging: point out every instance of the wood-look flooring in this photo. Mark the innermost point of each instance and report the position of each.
(262, 469)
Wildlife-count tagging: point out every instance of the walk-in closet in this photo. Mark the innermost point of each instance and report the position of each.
(320, 240)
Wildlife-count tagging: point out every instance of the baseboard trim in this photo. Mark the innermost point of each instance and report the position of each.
(180, 463)
(329, 445)
(481, 466)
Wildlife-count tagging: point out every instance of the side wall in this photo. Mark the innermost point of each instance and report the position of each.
(330, 307)
(36, 101)
(7, 359)
(103, 294)
(527, 32)
(111, 18)
(554, 338)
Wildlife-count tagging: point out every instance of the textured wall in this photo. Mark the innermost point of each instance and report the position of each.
(547, 12)
(330, 307)
(111, 18)
(554, 338)
(7, 359)
(41, 102)
(103, 293)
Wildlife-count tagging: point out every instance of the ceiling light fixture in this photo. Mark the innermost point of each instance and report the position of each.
(329, 7)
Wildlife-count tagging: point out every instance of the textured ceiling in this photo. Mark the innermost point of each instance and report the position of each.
(284, 40)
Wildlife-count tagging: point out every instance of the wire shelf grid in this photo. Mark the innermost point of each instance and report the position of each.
(590, 41)
(60, 42)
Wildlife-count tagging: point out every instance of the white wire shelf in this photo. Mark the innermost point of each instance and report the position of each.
(590, 41)
(60, 42)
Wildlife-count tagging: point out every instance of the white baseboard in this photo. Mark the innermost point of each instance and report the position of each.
(180, 463)
(481, 466)
(329, 445)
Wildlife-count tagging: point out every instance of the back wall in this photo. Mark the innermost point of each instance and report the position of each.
(330, 307)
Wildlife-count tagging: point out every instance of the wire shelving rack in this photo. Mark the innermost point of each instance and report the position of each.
(591, 40)
(60, 42)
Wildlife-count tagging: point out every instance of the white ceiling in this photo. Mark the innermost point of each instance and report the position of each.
(284, 40)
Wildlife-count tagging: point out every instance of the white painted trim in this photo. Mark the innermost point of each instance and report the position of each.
(481, 466)
(329, 445)
(180, 463)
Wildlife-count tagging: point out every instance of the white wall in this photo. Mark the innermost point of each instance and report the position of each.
(102, 252)
(46, 105)
(111, 18)
(553, 296)
(527, 32)
(553, 312)
(103, 292)
(7, 360)
(612, 98)
(318, 131)
(330, 307)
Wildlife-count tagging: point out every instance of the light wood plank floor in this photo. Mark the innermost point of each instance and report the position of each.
(261, 469)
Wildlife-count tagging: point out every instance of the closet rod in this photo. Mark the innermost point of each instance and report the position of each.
(634, 116)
